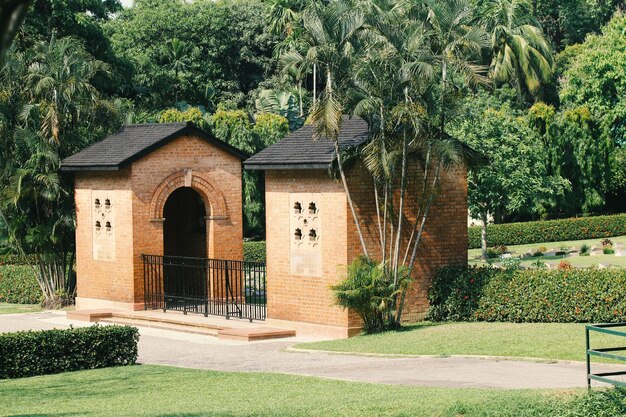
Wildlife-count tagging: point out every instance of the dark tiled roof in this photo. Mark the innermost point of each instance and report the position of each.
(300, 150)
(132, 142)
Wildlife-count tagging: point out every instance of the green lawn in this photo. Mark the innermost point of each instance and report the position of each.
(535, 340)
(165, 391)
(576, 261)
(8, 308)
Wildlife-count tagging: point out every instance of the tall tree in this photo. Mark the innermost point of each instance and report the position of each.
(59, 112)
(177, 54)
(519, 52)
(380, 60)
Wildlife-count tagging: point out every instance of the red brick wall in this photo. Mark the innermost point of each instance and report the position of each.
(444, 241)
(216, 175)
(107, 280)
(309, 299)
(300, 298)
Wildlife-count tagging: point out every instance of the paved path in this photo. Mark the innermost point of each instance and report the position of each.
(203, 352)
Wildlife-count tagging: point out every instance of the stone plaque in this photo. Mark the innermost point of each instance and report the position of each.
(305, 234)
(103, 226)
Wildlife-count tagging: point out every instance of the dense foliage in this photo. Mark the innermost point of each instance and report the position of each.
(203, 52)
(369, 291)
(18, 284)
(49, 109)
(53, 351)
(550, 230)
(489, 294)
(254, 251)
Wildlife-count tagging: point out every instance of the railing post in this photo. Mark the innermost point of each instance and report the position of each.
(205, 280)
(227, 289)
(588, 346)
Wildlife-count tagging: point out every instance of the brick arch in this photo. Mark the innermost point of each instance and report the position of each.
(197, 181)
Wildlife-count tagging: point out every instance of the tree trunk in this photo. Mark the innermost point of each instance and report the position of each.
(314, 83)
(349, 198)
(483, 234)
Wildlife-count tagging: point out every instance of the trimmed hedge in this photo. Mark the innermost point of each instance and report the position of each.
(11, 259)
(254, 251)
(53, 351)
(490, 294)
(550, 230)
(18, 284)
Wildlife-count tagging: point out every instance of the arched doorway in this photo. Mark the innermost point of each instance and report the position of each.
(185, 250)
(184, 230)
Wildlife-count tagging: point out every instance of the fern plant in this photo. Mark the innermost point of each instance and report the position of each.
(369, 291)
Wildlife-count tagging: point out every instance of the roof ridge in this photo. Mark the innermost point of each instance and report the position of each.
(155, 124)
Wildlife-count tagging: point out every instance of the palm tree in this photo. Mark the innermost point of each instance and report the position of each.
(331, 31)
(520, 54)
(58, 85)
(57, 102)
(177, 52)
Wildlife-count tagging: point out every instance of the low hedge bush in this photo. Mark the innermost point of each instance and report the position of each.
(53, 351)
(18, 284)
(566, 296)
(550, 230)
(254, 251)
(11, 259)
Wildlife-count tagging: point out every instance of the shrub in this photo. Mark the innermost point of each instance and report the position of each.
(584, 249)
(54, 351)
(607, 242)
(11, 259)
(564, 266)
(550, 231)
(254, 251)
(488, 294)
(18, 284)
(368, 291)
(496, 251)
(608, 251)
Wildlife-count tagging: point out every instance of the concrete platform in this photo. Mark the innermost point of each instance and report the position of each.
(233, 329)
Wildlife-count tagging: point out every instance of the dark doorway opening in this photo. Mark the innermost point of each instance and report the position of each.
(184, 235)
(184, 230)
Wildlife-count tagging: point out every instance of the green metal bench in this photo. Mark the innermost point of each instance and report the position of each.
(608, 352)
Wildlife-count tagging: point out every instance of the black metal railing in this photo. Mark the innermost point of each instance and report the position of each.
(205, 286)
(614, 329)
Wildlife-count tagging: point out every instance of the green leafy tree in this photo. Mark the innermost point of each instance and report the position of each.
(82, 20)
(587, 135)
(58, 112)
(515, 181)
(282, 103)
(569, 22)
(237, 128)
(230, 50)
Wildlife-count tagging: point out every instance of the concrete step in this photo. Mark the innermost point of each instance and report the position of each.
(195, 324)
(183, 328)
(176, 320)
(259, 333)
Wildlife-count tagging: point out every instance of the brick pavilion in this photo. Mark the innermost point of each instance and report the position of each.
(311, 235)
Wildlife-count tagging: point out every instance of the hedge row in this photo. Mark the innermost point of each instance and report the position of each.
(11, 259)
(489, 294)
(254, 251)
(18, 284)
(550, 230)
(54, 351)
